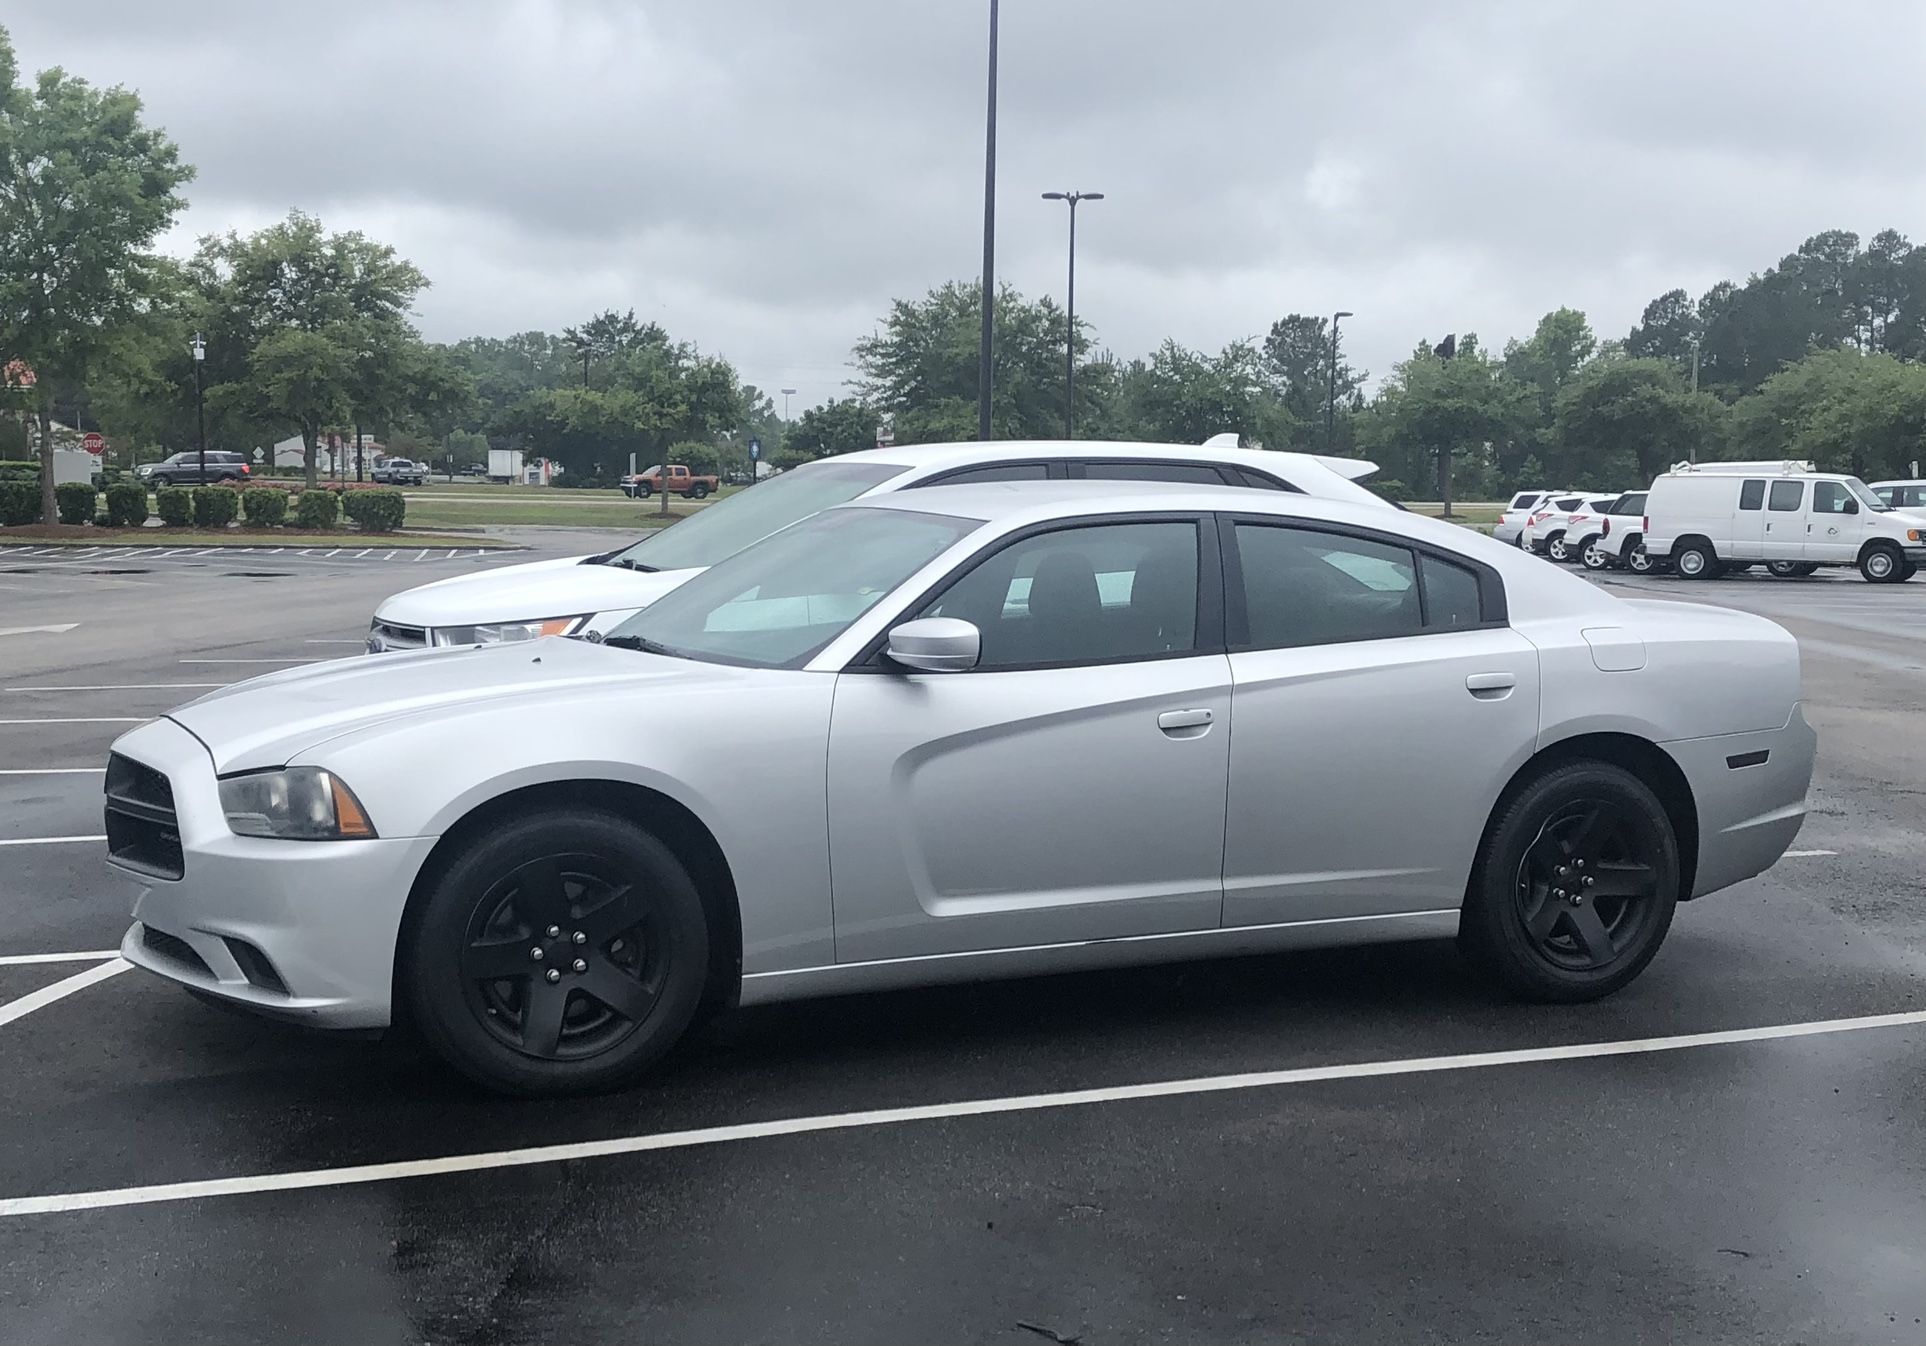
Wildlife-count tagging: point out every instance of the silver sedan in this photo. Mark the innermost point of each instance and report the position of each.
(992, 731)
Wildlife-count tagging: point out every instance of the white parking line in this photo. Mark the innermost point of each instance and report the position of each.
(423, 552)
(120, 687)
(120, 719)
(1800, 855)
(54, 771)
(253, 661)
(29, 959)
(332, 642)
(360, 1174)
(48, 841)
(60, 990)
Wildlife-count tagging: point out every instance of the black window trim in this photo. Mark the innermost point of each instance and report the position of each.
(1493, 611)
(1206, 638)
(1228, 474)
(1052, 471)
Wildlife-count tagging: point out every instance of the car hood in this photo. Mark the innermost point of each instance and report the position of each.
(532, 591)
(270, 720)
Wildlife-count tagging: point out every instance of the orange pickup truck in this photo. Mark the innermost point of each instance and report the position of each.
(675, 479)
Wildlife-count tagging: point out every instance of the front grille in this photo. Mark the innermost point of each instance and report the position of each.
(173, 949)
(389, 636)
(142, 830)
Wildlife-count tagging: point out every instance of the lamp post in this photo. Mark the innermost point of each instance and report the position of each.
(1070, 312)
(1330, 404)
(200, 402)
(984, 367)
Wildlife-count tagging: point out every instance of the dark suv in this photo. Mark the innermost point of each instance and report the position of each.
(186, 468)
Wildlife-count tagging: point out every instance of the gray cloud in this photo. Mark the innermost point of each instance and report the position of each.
(764, 176)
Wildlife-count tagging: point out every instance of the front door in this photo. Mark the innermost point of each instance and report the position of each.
(1834, 525)
(1379, 705)
(1749, 522)
(1785, 521)
(1070, 787)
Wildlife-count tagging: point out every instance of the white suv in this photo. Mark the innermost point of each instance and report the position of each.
(1715, 517)
(589, 594)
(1545, 529)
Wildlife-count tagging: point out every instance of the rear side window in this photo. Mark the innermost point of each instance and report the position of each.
(1568, 502)
(1196, 474)
(1910, 496)
(1525, 500)
(1752, 495)
(973, 476)
(1786, 496)
(1631, 504)
(1306, 587)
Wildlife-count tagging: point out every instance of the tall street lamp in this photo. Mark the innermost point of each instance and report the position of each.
(200, 402)
(984, 367)
(1070, 311)
(787, 393)
(1330, 405)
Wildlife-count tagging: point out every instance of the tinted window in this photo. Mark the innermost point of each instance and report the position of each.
(1631, 504)
(1310, 588)
(1261, 482)
(1082, 595)
(974, 476)
(1752, 495)
(1829, 497)
(1197, 474)
(1525, 500)
(1450, 595)
(1910, 496)
(1786, 495)
(1568, 502)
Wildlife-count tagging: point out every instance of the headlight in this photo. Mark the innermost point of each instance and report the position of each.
(501, 633)
(299, 803)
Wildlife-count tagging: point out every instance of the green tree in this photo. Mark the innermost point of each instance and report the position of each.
(85, 189)
(1298, 355)
(840, 425)
(1541, 367)
(1631, 419)
(1434, 415)
(1843, 411)
(1182, 396)
(1666, 330)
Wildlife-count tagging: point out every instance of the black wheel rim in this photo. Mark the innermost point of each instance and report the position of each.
(1586, 885)
(564, 958)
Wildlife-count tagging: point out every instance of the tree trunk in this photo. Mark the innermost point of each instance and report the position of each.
(1444, 478)
(308, 438)
(49, 512)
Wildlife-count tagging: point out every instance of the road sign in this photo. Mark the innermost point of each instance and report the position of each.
(755, 450)
(93, 443)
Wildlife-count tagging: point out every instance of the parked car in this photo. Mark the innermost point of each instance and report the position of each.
(1589, 521)
(1619, 540)
(472, 470)
(592, 593)
(184, 469)
(1901, 494)
(777, 781)
(1546, 525)
(1710, 518)
(1510, 527)
(400, 472)
(675, 479)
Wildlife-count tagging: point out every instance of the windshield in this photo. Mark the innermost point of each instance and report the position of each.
(784, 598)
(1866, 497)
(723, 529)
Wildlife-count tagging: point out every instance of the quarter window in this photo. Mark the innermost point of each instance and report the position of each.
(1097, 594)
(1198, 474)
(1786, 496)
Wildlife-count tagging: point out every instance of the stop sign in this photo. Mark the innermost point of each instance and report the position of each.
(93, 443)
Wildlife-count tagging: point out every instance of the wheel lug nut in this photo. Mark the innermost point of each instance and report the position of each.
(1563, 870)
(554, 932)
(1588, 880)
(578, 938)
(1559, 893)
(1579, 864)
(1578, 899)
(580, 965)
(536, 953)
(553, 974)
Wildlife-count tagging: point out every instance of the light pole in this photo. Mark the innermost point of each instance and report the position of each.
(787, 393)
(1330, 404)
(1695, 387)
(1070, 313)
(984, 367)
(200, 402)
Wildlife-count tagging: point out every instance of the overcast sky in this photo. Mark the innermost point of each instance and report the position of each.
(763, 177)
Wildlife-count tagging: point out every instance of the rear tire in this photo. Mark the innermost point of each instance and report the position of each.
(1785, 569)
(1556, 549)
(1594, 557)
(1636, 559)
(1882, 564)
(699, 491)
(629, 986)
(1532, 923)
(1695, 560)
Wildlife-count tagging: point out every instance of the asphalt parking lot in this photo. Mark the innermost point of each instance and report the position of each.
(1360, 1144)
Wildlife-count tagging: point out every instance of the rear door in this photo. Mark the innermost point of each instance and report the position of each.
(1379, 703)
(1785, 521)
(1749, 520)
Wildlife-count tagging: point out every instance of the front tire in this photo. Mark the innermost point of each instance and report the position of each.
(1574, 887)
(1594, 557)
(1882, 565)
(564, 952)
(160, 481)
(1556, 549)
(643, 492)
(1695, 561)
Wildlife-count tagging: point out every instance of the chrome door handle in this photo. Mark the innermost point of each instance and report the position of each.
(1490, 686)
(1185, 723)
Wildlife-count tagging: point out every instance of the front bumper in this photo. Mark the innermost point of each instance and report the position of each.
(299, 930)
(1748, 813)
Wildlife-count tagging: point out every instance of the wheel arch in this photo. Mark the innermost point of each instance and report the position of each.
(1645, 760)
(1873, 544)
(669, 820)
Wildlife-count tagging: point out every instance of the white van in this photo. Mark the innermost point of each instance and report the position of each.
(1709, 518)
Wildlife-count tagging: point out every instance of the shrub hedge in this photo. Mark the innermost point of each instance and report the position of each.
(265, 506)
(215, 506)
(19, 501)
(76, 500)
(378, 511)
(126, 504)
(316, 509)
(175, 505)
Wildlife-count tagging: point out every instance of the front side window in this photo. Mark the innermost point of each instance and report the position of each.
(724, 529)
(777, 603)
(1830, 497)
(1100, 593)
(1786, 496)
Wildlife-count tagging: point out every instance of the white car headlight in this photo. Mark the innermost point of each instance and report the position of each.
(297, 803)
(502, 633)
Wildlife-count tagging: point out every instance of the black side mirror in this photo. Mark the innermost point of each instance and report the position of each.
(1852, 506)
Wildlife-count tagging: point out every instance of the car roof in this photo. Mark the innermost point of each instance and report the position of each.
(966, 454)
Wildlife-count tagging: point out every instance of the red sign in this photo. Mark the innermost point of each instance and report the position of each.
(93, 443)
